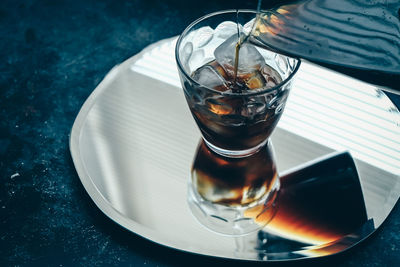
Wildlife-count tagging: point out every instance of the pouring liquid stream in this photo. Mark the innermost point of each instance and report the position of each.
(242, 38)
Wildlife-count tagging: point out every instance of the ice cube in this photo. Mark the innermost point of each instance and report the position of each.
(249, 57)
(186, 54)
(221, 71)
(281, 63)
(196, 59)
(272, 77)
(219, 107)
(249, 26)
(253, 107)
(203, 36)
(255, 81)
(226, 29)
(209, 77)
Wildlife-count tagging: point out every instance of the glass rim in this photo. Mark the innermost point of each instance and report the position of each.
(249, 92)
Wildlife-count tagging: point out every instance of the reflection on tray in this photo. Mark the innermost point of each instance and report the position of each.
(233, 196)
(319, 209)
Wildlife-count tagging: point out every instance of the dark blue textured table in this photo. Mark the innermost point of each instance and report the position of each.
(53, 54)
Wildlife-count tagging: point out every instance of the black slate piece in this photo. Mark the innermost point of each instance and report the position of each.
(52, 56)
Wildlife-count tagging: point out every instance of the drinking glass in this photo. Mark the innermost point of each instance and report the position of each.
(234, 179)
(232, 123)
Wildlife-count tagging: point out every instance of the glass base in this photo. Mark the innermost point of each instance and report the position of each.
(235, 153)
(233, 220)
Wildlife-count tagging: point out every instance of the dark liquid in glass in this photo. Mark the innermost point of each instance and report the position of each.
(236, 122)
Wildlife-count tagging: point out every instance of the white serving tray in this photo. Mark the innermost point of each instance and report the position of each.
(134, 140)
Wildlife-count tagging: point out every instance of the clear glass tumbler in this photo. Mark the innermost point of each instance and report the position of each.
(233, 123)
(234, 181)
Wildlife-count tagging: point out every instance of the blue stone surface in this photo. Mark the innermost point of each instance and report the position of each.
(52, 56)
